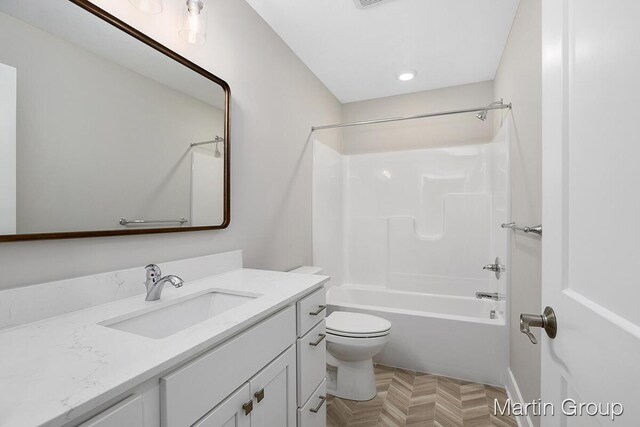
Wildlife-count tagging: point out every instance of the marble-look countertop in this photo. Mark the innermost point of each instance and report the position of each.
(57, 369)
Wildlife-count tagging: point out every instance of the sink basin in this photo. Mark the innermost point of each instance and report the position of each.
(174, 318)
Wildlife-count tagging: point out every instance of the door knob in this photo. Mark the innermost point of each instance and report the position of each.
(547, 321)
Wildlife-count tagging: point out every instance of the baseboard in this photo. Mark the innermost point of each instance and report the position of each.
(513, 392)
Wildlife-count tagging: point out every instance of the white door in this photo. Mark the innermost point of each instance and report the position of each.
(591, 207)
(274, 393)
(234, 411)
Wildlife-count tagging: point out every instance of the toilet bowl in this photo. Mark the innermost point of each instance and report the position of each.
(352, 341)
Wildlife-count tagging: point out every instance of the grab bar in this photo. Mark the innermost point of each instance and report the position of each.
(124, 221)
(513, 226)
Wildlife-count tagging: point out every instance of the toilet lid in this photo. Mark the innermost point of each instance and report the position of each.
(356, 324)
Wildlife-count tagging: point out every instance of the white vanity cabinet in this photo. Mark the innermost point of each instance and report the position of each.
(128, 412)
(274, 393)
(267, 400)
(270, 375)
(191, 391)
(311, 347)
(230, 413)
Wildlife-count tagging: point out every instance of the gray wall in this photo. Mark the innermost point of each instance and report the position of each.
(275, 100)
(519, 80)
(96, 141)
(428, 133)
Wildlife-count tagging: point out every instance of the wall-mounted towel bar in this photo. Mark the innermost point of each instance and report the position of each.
(535, 230)
(124, 221)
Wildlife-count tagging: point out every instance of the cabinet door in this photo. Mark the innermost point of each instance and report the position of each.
(312, 361)
(274, 392)
(234, 411)
(314, 412)
(129, 412)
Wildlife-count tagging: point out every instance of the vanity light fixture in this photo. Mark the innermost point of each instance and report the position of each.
(405, 76)
(194, 22)
(149, 6)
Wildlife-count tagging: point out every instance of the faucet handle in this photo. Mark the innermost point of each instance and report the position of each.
(153, 272)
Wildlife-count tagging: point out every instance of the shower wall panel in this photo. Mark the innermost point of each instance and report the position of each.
(328, 211)
(421, 220)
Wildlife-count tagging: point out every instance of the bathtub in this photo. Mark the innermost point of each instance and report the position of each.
(444, 335)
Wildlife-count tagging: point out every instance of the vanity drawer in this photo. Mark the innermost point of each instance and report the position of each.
(311, 310)
(312, 361)
(194, 389)
(314, 412)
(129, 412)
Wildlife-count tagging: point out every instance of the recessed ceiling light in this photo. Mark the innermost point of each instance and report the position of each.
(405, 76)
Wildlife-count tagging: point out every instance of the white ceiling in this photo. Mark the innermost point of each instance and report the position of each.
(357, 53)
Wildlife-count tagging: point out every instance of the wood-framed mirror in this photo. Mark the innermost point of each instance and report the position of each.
(103, 130)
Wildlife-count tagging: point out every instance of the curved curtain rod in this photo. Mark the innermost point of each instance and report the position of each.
(500, 106)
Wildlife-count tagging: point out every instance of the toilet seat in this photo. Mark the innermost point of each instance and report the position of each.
(356, 325)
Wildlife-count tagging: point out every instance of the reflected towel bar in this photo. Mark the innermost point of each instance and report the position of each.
(513, 226)
(124, 221)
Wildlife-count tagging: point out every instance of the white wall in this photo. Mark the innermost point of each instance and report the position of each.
(444, 131)
(519, 81)
(96, 141)
(275, 100)
(8, 106)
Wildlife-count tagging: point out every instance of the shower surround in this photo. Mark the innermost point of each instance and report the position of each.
(418, 226)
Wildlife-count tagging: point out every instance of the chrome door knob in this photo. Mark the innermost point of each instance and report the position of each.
(547, 321)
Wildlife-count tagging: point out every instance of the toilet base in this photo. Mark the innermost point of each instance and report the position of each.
(353, 380)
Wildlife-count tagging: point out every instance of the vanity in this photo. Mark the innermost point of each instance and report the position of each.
(238, 348)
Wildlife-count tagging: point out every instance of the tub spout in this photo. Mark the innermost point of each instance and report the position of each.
(490, 295)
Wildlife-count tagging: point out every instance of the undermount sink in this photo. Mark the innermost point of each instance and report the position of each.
(174, 318)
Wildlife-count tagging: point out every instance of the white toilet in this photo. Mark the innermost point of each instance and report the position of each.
(352, 341)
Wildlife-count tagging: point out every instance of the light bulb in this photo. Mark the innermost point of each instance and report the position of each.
(194, 22)
(149, 6)
(406, 76)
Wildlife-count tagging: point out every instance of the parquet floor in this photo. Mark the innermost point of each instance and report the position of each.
(416, 399)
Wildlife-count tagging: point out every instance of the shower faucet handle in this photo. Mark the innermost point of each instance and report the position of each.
(497, 267)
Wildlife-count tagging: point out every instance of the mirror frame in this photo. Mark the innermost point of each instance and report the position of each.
(138, 35)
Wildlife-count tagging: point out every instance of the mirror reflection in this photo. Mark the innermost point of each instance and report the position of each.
(99, 131)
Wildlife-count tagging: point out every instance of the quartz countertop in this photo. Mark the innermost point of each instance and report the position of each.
(56, 369)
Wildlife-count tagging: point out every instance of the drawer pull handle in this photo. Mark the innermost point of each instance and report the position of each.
(318, 311)
(315, 344)
(248, 407)
(317, 408)
(259, 395)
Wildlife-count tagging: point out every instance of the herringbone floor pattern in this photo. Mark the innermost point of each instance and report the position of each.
(415, 399)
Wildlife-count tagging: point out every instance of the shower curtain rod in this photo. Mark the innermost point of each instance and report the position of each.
(216, 139)
(492, 106)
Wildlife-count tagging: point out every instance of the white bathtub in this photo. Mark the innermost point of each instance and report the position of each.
(439, 334)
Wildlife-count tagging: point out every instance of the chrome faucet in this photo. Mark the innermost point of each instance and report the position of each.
(490, 295)
(155, 282)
